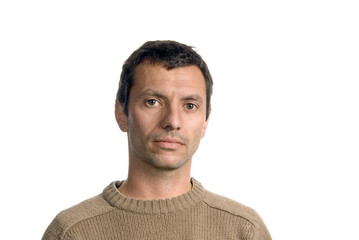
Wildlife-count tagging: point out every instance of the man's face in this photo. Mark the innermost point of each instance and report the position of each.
(166, 115)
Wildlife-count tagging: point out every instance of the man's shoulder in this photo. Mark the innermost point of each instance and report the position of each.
(67, 218)
(230, 206)
(86, 209)
(243, 212)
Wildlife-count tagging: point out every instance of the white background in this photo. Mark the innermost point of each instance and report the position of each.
(283, 134)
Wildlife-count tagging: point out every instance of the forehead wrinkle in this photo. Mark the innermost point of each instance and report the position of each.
(186, 92)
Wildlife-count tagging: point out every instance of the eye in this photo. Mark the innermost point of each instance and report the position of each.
(152, 102)
(190, 106)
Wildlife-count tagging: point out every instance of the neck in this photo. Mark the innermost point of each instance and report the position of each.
(148, 183)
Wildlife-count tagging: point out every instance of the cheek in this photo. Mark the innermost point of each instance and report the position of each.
(141, 125)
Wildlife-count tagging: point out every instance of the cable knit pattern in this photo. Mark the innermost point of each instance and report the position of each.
(198, 214)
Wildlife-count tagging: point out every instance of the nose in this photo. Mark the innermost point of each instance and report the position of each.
(171, 118)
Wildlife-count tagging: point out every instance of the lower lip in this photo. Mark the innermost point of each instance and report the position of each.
(169, 145)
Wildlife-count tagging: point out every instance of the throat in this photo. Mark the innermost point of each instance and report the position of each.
(154, 190)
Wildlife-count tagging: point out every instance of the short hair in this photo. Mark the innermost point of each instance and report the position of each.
(169, 53)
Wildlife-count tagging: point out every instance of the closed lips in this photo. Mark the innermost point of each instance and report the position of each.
(169, 140)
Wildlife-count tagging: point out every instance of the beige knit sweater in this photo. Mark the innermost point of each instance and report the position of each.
(198, 214)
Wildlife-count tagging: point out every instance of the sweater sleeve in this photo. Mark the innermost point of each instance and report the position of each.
(252, 225)
(262, 232)
(65, 220)
(53, 231)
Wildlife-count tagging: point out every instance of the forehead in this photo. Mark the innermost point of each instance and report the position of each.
(187, 78)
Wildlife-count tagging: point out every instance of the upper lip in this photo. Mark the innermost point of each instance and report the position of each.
(170, 140)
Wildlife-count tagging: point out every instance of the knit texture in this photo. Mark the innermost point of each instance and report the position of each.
(198, 214)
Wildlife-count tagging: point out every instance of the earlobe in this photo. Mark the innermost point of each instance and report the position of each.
(121, 117)
(205, 127)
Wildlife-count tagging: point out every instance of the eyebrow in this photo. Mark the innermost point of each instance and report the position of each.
(151, 92)
(194, 97)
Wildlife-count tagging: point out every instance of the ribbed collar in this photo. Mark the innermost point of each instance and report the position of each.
(187, 200)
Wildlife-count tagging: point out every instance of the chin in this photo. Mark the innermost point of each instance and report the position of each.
(164, 163)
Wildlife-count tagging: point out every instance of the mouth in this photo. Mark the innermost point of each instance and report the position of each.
(169, 143)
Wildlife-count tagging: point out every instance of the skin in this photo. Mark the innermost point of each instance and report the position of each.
(165, 123)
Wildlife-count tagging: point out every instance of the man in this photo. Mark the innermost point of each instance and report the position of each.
(163, 103)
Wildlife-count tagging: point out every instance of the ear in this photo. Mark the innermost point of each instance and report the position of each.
(121, 117)
(206, 124)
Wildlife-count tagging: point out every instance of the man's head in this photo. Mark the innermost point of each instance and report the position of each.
(172, 55)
